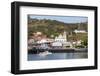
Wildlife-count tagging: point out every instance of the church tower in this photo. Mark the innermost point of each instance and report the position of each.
(65, 36)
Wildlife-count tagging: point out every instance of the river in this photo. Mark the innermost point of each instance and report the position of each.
(56, 56)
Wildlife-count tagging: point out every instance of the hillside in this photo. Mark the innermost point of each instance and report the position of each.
(53, 27)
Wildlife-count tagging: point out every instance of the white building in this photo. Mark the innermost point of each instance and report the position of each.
(42, 41)
(31, 41)
(80, 31)
(77, 42)
(43, 44)
(57, 44)
(61, 38)
(67, 44)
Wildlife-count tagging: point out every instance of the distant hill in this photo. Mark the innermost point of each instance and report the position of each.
(53, 27)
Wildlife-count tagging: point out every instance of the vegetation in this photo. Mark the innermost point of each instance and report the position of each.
(85, 43)
(52, 28)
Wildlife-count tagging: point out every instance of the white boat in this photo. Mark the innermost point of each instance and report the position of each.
(44, 53)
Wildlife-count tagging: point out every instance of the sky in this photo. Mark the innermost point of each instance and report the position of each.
(65, 19)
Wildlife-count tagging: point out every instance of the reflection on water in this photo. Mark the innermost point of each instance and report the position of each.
(55, 56)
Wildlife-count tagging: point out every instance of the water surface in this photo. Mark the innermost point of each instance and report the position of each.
(55, 56)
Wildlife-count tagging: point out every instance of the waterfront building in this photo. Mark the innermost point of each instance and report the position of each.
(67, 44)
(42, 41)
(62, 37)
(57, 44)
(61, 41)
(77, 42)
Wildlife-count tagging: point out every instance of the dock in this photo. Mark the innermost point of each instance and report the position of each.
(57, 50)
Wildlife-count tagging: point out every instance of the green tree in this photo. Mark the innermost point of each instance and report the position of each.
(85, 42)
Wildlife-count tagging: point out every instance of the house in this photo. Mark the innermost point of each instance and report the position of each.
(42, 41)
(67, 44)
(57, 45)
(77, 42)
(80, 31)
(31, 41)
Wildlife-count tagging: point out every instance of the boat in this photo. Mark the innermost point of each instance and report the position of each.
(44, 53)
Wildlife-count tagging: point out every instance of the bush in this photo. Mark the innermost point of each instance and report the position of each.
(79, 46)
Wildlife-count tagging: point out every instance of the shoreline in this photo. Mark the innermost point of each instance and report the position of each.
(68, 50)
